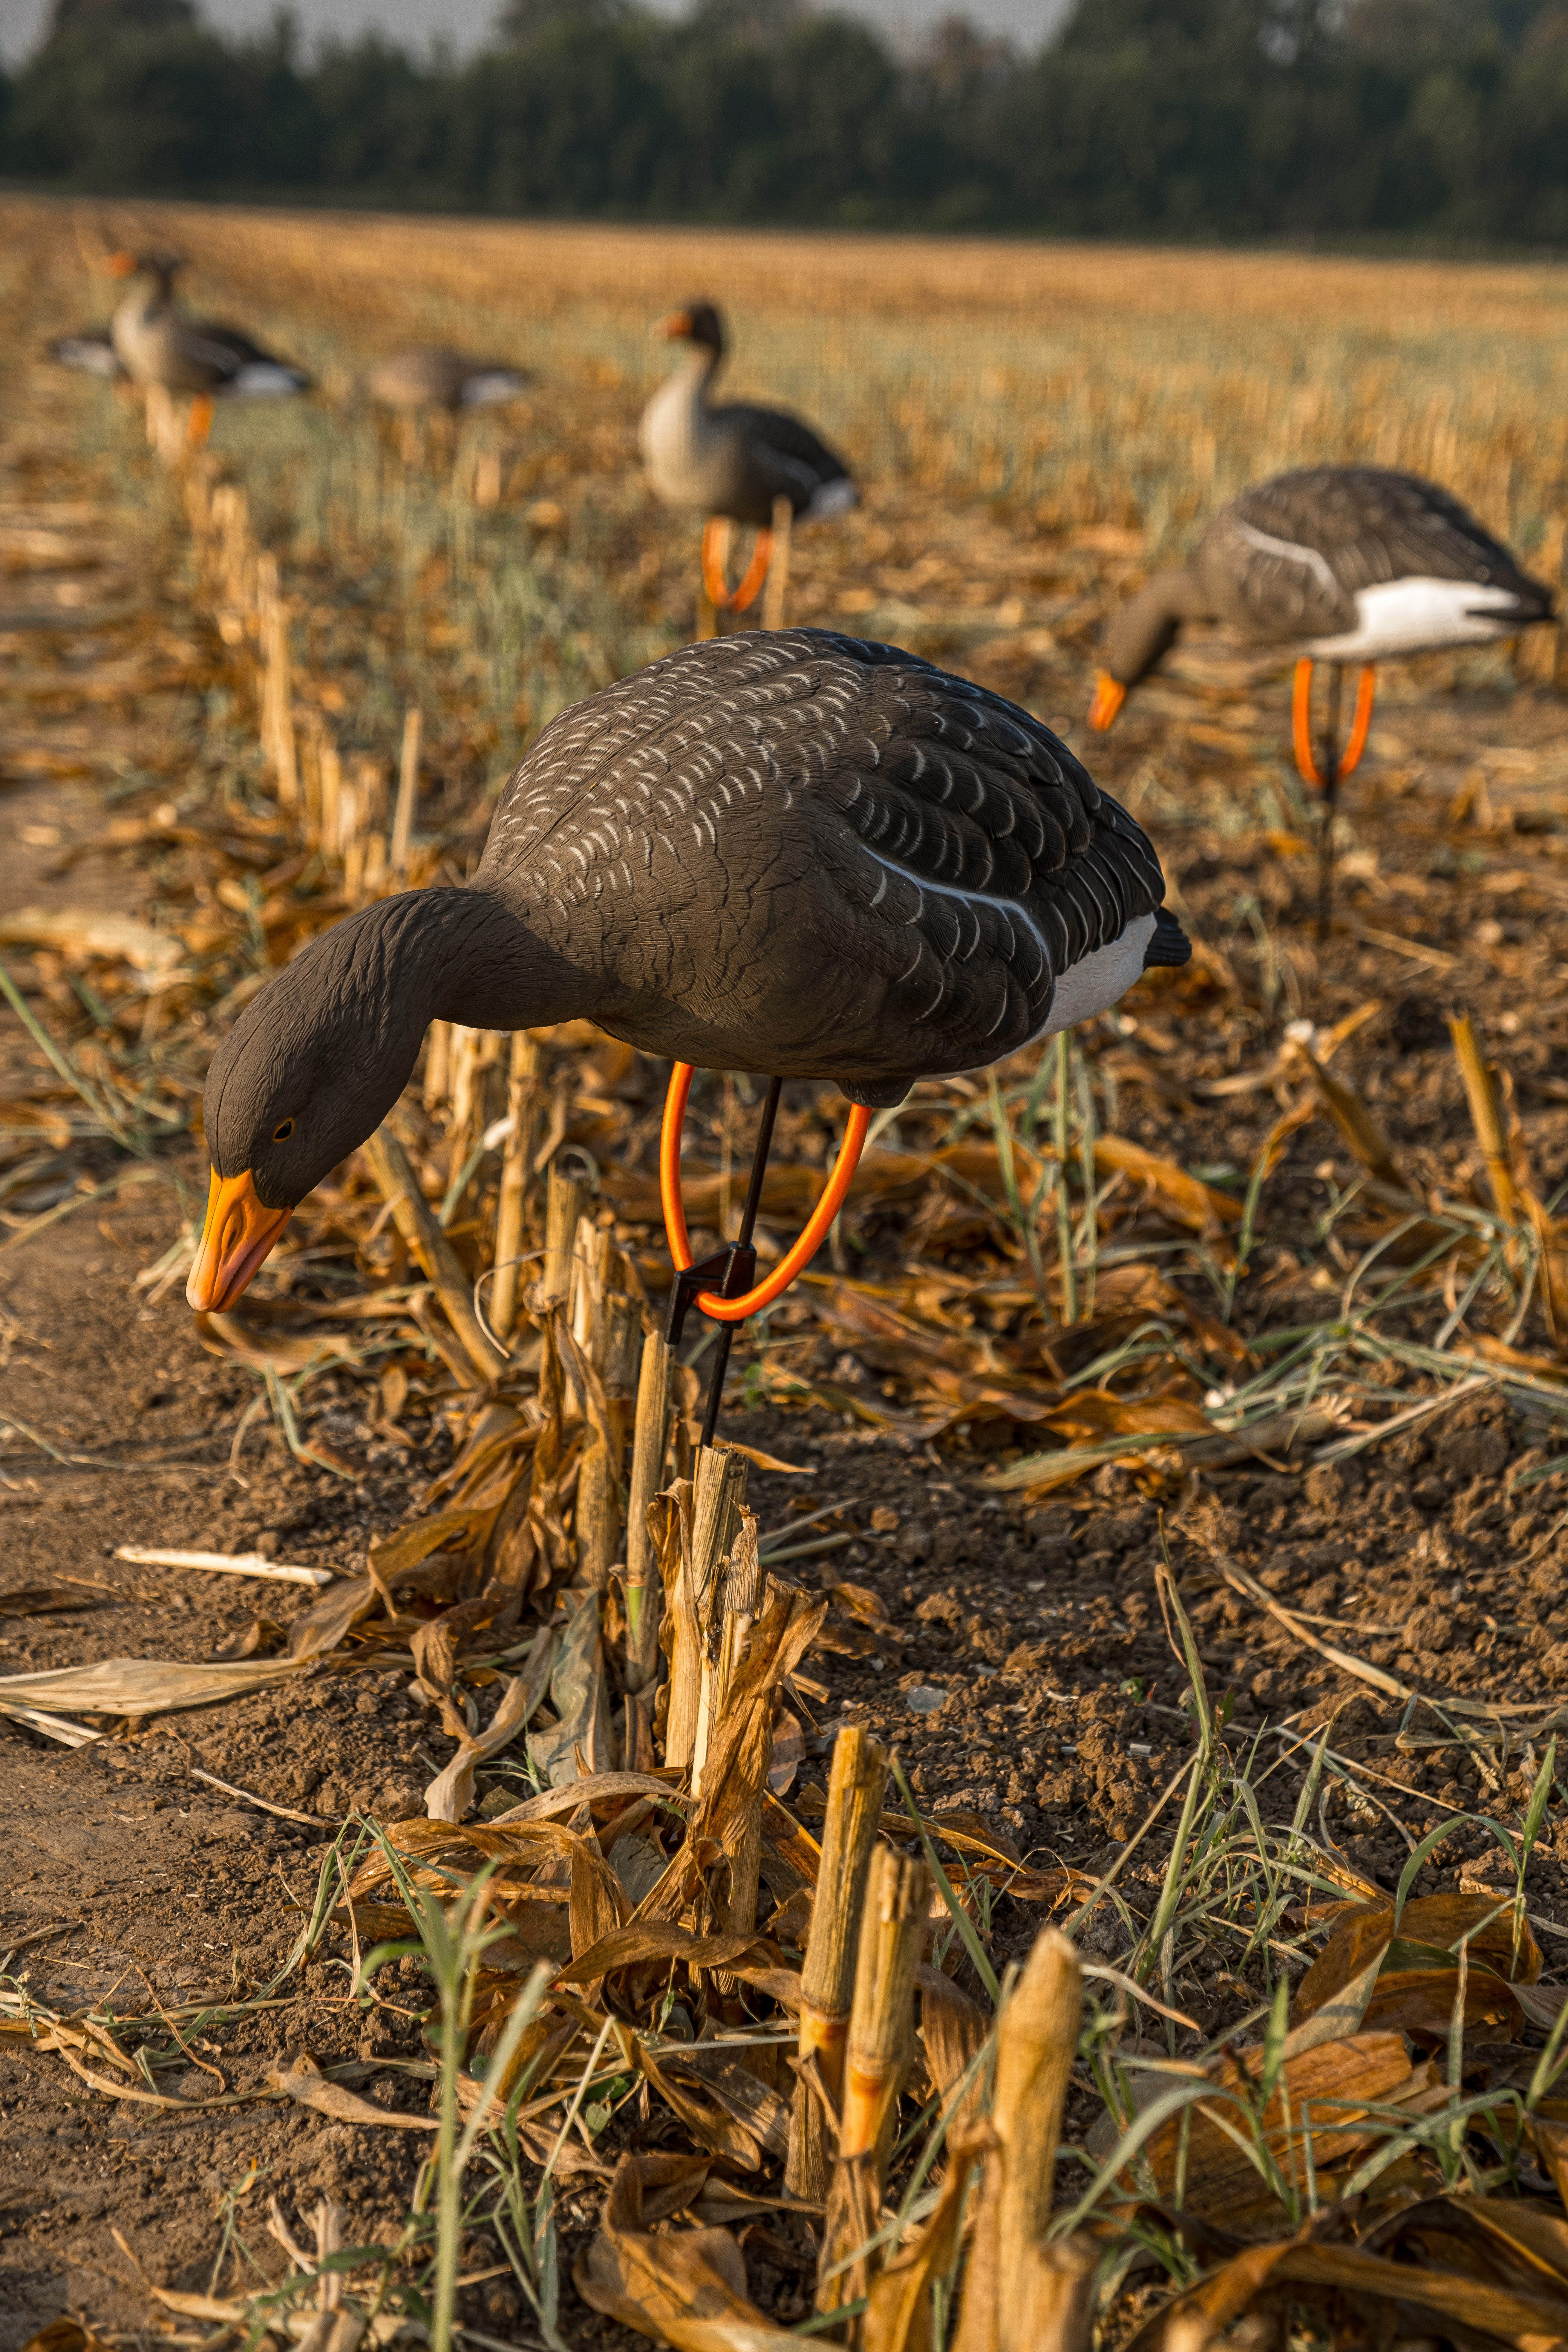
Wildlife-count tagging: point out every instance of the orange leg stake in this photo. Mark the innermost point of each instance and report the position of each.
(715, 549)
(729, 1302)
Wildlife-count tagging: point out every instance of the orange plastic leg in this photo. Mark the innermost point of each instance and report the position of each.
(814, 1234)
(1301, 724)
(1366, 689)
(723, 599)
(714, 580)
(750, 586)
(200, 422)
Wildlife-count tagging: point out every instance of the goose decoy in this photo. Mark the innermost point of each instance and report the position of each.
(1352, 563)
(155, 344)
(734, 463)
(435, 377)
(791, 853)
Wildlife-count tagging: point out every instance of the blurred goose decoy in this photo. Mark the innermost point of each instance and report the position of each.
(1352, 563)
(435, 377)
(204, 357)
(793, 853)
(91, 352)
(734, 463)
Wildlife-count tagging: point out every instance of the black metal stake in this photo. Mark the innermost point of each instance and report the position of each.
(729, 1271)
(1329, 769)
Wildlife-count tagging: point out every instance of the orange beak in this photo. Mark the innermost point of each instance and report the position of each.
(675, 324)
(236, 1238)
(121, 265)
(1110, 694)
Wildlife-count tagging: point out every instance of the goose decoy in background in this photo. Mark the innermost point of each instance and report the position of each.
(734, 463)
(156, 344)
(435, 377)
(796, 853)
(91, 352)
(1352, 563)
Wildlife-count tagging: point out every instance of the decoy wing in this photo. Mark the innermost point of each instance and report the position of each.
(1298, 556)
(784, 458)
(804, 855)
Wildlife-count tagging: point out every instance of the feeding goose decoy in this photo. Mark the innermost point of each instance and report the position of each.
(1352, 563)
(156, 343)
(733, 463)
(790, 853)
(435, 377)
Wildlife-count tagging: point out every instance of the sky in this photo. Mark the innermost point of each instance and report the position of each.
(465, 23)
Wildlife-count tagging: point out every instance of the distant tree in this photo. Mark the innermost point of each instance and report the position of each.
(524, 23)
(117, 16)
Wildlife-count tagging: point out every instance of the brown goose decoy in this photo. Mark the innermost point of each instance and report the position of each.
(156, 344)
(733, 463)
(435, 377)
(792, 853)
(1352, 563)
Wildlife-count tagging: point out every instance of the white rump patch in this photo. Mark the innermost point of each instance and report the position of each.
(495, 384)
(265, 380)
(1420, 615)
(832, 499)
(1094, 983)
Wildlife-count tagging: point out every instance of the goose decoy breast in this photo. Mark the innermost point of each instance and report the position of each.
(732, 458)
(794, 854)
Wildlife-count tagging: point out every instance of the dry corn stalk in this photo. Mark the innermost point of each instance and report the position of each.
(719, 1489)
(854, 1789)
(1035, 2039)
(276, 719)
(876, 2060)
(649, 1442)
(412, 1214)
(670, 1532)
(522, 1101)
(407, 792)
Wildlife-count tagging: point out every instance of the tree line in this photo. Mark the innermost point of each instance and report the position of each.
(1169, 118)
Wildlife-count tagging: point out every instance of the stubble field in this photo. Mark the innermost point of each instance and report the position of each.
(1088, 1398)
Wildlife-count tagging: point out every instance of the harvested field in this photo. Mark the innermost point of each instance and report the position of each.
(1165, 1461)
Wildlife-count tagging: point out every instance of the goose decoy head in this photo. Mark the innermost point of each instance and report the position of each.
(1140, 636)
(158, 263)
(698, 323)
(310, 1070)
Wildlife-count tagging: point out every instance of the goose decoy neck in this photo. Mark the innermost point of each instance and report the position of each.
(699, 326)
(1141, 633)
(313, 1066)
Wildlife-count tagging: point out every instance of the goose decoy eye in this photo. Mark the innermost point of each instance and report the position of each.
(281, 1134)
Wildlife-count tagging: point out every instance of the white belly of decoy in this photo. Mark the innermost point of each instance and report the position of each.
(1420, 615)
(263, 380)
(832, 499)
(1096, 982)
(486, 390)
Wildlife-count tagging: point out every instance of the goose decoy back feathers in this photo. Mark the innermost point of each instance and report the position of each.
(796, 853)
